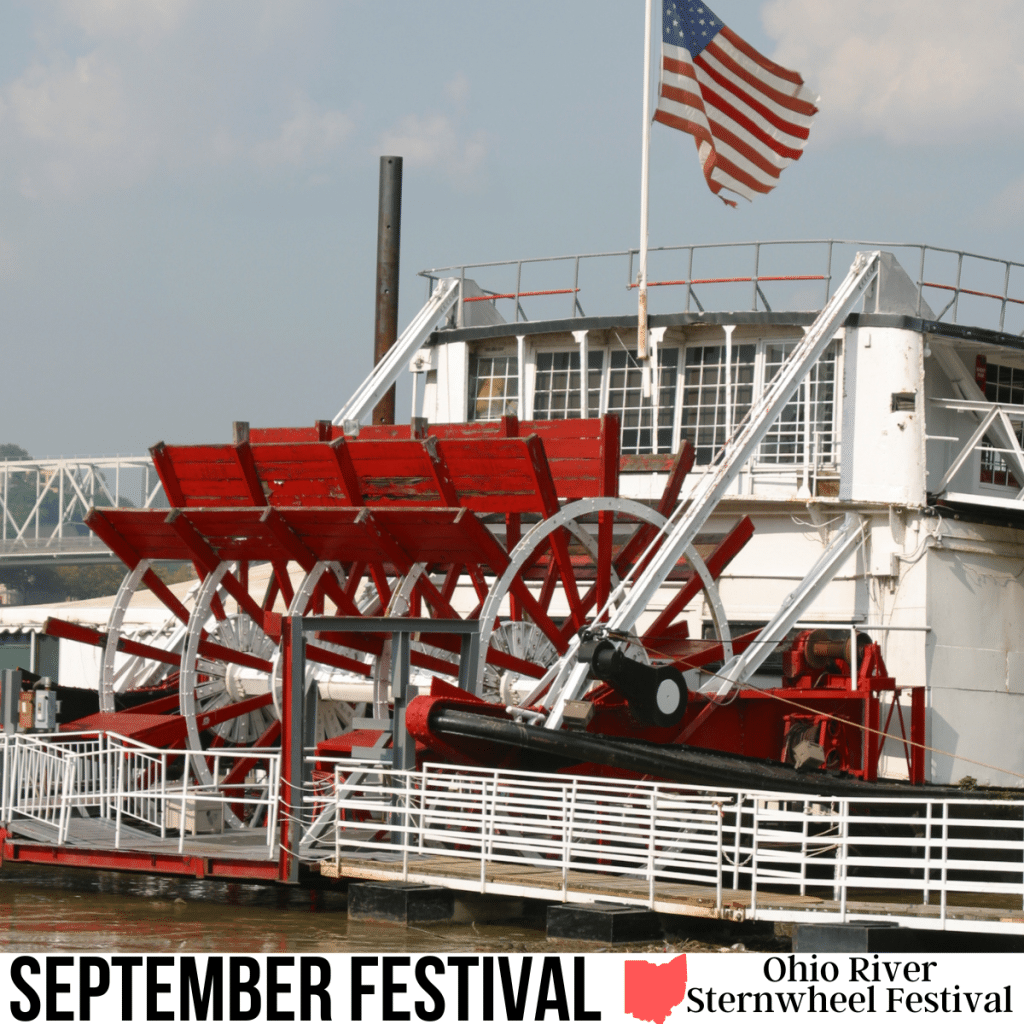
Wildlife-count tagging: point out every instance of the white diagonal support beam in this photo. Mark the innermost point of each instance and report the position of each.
(387, 371)
(738, 450)
(739, 670)
(965, 453)
(681, 531)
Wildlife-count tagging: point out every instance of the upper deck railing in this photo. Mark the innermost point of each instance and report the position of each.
(952, 285)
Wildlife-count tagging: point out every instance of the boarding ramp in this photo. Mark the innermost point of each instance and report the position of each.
(949, 863)
(107, 792)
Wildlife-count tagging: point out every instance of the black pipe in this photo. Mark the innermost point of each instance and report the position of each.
(688, 765)
(389, 224)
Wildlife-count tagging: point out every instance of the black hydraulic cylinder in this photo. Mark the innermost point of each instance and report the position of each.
(656, 695)
(389, 223)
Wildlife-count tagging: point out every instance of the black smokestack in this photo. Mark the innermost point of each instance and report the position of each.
(389, 224)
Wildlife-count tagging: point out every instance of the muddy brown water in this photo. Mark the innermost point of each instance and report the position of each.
(69, 910)
(64, 909)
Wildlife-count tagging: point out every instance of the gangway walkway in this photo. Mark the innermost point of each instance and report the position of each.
(919, 861)
(102, 800)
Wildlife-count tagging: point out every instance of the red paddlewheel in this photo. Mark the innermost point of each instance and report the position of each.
(519, 525)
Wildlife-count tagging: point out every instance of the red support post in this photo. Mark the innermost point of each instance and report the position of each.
(606, 520)
(872, 747)
(347, 472)
(251, 476)
(726, 551)
(98, 523)
(284, 582)
(168, 475)
(438, 467)
(209, 559)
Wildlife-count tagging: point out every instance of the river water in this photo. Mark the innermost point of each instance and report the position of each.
(53, 909)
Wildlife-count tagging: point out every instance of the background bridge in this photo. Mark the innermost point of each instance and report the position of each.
(43, 503)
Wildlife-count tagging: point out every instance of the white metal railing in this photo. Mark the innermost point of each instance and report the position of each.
(919, 859)
(40, 780)
(53, 778)
(781, 275)
(43, 501)
(927, 861)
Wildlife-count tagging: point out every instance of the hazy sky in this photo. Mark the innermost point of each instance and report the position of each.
(188, 188)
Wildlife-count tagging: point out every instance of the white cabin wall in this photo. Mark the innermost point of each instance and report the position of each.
(898, 592)
(651, 486)
(772, 564)
(428, 405)
(984, 727)
(895, 589)
(452, 382)
(975, 662)
(883, 450)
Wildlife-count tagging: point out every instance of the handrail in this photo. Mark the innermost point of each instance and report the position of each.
(441, 271)
(49, 777)
(756, 253)
(387, 371)
(650, 834)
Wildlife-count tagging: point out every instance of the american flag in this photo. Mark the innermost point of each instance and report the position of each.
(749, 116)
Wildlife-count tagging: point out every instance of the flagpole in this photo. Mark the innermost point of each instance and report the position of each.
(642, 349)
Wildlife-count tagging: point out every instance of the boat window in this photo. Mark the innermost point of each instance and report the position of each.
(787, 440)
(493, 387)
(707, 418)
(696, 408)
(556, 393)
(638, 415)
